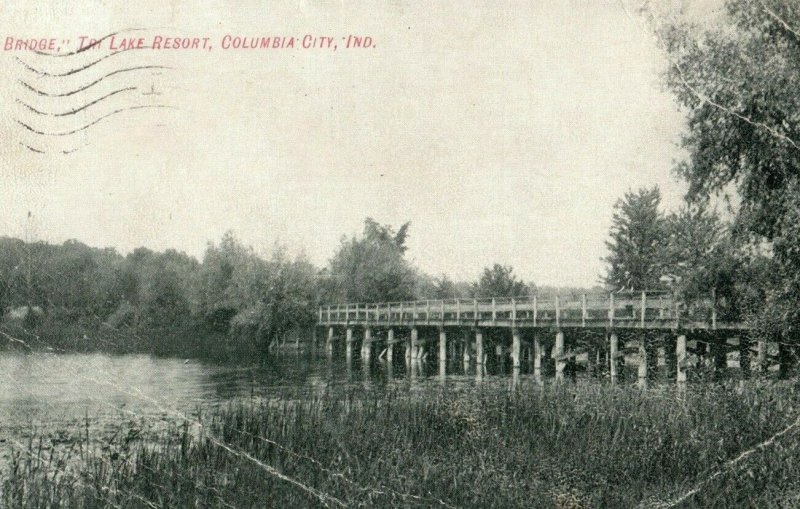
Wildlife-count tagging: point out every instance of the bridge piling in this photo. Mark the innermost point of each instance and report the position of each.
(761, 357)
(366, 346)
(480, 358)
(329, 342)
(389, 346)
(515, 348)
(349, 344)
(413, 353)
(465, 340)
(680, 351)
(558, 353)
(442, 346)
(537, 359)
(499, 352)
(642, 367)
(613, 356)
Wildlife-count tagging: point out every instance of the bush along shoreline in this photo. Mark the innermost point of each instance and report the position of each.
(88, 334)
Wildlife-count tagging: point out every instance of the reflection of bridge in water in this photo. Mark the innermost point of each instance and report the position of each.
(552, 335)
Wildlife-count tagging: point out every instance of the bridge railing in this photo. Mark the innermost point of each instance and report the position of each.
(622, 308)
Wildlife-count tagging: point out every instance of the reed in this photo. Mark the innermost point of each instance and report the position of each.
(569, 446)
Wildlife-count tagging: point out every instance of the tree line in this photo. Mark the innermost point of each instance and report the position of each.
(73, 294)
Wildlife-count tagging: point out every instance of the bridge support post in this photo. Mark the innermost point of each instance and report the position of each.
(389, 346)
(466, 351)
(561, 362)
(366, 347)
(442, 346)
(329, 342)
(761, 357)
(613, 355)
(744, 355)
(537, 358)
(515, 348)
(479, 356)
(442, 354)
(413, 353)
(349, 344)
(680, 353)
(642, 367)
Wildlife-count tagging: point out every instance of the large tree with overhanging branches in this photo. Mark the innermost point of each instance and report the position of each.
(740, 83)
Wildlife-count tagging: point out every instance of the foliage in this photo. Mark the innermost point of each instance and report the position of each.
(700, 257)
(499, 281)
(636, 246)
(213, 299)
(97, 293)
(442, 287)
(372, 268)
(272, 297)
(738, 81)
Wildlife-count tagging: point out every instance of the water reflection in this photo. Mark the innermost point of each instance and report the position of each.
(50, 391)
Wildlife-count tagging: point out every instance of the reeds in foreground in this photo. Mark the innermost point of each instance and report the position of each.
(570, 446)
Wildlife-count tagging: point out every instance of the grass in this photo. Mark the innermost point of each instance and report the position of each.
(572, 446)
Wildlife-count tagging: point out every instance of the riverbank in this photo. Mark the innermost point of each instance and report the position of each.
(65, 334)
(571, 446)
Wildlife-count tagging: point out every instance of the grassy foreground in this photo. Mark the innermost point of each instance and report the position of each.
(573, 446)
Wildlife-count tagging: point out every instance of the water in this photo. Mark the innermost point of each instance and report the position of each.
(46, 394)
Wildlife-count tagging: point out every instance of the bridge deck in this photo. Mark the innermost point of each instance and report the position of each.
(644, 310)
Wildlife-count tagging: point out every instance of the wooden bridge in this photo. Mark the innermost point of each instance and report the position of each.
(642, 310)
(602, 328)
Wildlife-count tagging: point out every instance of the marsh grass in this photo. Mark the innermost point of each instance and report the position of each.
(571, 446)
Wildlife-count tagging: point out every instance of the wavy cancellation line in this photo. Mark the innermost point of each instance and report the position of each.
(75, 110)
(71, 72)
(40, 151)
(95, 82)
(94, 122)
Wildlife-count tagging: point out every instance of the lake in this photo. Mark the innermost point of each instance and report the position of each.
(64, 416)
(47, 393)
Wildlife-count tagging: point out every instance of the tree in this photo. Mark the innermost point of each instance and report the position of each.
(444, 288)
(12, 273)
(372, 268)
(272, 297)
(212, 296)
(164, 289)
(500, 281)
(738, 81)
(700, 257)
(637, 241)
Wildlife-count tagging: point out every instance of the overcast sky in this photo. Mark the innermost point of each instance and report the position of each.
(504, 133)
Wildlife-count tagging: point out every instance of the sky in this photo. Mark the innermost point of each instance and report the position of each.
(504, 132)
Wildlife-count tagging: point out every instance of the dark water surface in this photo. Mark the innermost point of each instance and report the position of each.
(45, 393)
